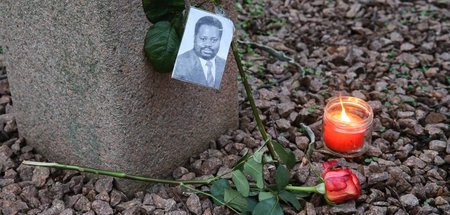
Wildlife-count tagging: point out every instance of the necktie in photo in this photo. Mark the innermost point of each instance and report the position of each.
(209, 75)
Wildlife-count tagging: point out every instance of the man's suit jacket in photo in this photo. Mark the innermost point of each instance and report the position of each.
(188, 68)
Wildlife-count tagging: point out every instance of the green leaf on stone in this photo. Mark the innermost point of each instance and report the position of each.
(290, 198)
(268, 207)
(254, 169)
(281, 177)
(265, 195)
(218, 190)
(286, 156)
(235, 200)
(160, 10)
(161, 46)
(241, 182)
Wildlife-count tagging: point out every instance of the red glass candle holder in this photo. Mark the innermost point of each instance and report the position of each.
(347, 126)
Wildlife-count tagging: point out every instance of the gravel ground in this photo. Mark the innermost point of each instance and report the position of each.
(393, 54)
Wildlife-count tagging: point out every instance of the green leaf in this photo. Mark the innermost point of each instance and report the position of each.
(258, 156)
(235, 200)
(251, 204)
(218, 190)
(268, 207)
(253, 193)
(178, 23)
(290, 198)
(267, 158)
(161, 46)
(281, 177)
(254, 169)
(159, 10)
(240, 164)
(264, 195)
(286, 155)
(241, 182)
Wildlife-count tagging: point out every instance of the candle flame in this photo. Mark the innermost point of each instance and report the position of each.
(344, 116)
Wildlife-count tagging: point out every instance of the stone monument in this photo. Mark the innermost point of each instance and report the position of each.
(84, 93)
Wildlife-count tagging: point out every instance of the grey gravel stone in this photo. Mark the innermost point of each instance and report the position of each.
(177, 212)
(14, 207)
(132, 211)
(414, 162)
(284, 109)
(409, 200)
(178, 172)
(82, 204)
(283, 124)
(409, 60)
(374, 178)
(193, 204)
(439, 161)
(67, 211)
(345, 208)
(104, 184)
(5, 152)
(209, 166)
(405, 114)
(116, 197)
(376, 210)
(406, 47)
(376, 105)
(40, 175)
(104, 196)
(12, 188)
(102, 207)
(148, 200)
(166, 204)
(438, 145)
(148, 208)
(56, 208)
(427, 209)
(129, 204)
(391, 135)
(375, 195)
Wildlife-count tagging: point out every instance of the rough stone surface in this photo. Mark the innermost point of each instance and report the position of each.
(409, 200)
(438, 145)
(106, 102)
(102, 207)
(194, 205)
(104, 184)
(345, 208)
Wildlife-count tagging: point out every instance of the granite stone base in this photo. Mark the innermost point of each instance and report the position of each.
(84, 93)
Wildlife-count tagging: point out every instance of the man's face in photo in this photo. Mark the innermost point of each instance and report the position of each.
(207, 41)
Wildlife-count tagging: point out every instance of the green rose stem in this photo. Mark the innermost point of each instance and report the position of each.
(248, 90)
(320, 188)
(118, 174)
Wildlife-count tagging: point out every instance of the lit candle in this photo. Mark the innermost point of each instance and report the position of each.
(346, 124)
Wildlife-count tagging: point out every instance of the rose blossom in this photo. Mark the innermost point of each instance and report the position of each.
(341, 184)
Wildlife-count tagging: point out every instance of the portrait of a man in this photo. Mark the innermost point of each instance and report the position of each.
(201, 64)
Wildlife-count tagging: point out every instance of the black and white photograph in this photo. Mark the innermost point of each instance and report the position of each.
(204, 49)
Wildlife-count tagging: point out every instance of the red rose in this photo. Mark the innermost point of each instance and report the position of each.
(341, 184)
